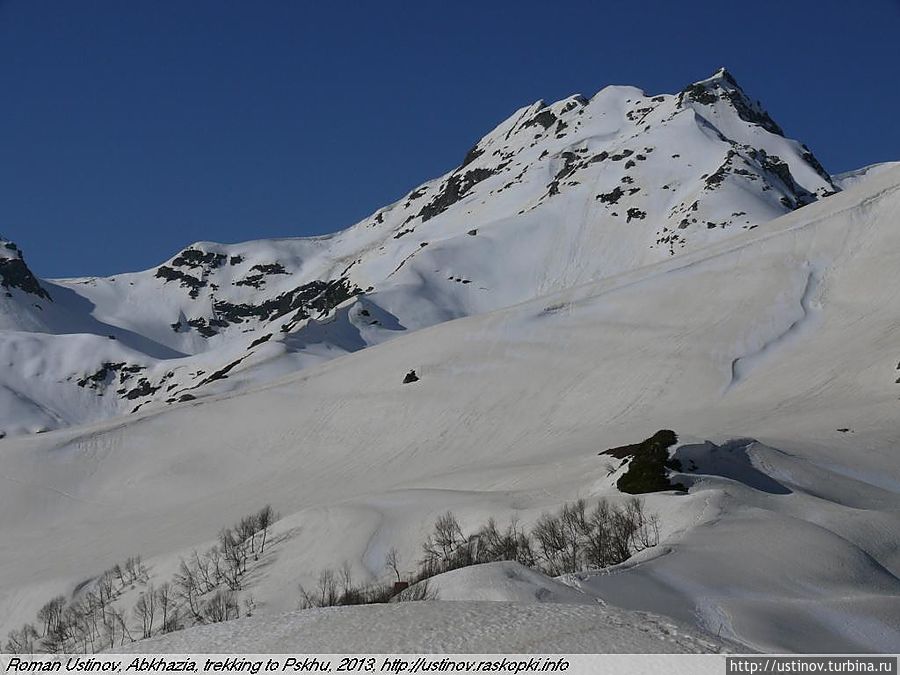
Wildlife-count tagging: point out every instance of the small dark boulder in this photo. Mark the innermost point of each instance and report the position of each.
(410, 377)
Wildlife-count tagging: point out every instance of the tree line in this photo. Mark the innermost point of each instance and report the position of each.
(204, 590)
(207, 586)
(573, 539)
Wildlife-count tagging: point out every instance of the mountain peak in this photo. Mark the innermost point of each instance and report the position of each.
(9, 250)
(579, 188)
(14, 273)
(722, 86)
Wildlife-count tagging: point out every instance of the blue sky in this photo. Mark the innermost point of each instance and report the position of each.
(130, 129)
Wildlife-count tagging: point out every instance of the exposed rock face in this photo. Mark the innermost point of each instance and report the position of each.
(14, 273)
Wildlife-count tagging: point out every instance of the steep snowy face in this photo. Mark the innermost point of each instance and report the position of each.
(555, 196)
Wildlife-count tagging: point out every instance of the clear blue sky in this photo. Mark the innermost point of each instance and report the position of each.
(129, 129)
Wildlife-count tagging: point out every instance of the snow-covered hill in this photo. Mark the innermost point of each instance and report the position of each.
(772, 353)
(444, 628)
(851, 178)
(555, 196)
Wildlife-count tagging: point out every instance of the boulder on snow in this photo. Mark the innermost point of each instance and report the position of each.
(411, 377)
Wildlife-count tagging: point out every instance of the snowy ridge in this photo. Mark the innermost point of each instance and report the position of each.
(555, 196)
(851, 178)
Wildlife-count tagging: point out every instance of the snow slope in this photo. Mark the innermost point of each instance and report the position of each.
(777, 345)
(555, 196)
(441, 627)
(851, 178)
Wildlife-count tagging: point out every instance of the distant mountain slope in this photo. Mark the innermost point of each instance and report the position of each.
(851, 178)
(555, 196)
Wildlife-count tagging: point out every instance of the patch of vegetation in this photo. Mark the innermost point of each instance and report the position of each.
(573, 539)
(103, 612)
(648, 464)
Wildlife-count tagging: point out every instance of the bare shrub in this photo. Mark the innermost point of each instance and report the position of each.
(221, 606)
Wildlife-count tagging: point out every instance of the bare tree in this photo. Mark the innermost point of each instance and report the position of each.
(446, 548)
(222, 606)
(264, 519)
(50, 614)
(551, 543)
(119, 574)
(206, 568)
(145, 611)
(165, 599)
(325, 593)
(234, 557)
(105, 585)
(598, 544)
(22, 641)
(392, 562)
(118, 617)
(246, 532)
(574, 525)
(135, 570)
(188, 586)
(646, 527)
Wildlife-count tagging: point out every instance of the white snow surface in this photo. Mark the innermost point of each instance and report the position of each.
(440, 627)
(851, 178)
(504, 581)
(271, 372)
(773, 354)
(555, 196)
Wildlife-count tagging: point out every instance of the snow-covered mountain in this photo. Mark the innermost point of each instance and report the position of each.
(767, 342)
(555, 196)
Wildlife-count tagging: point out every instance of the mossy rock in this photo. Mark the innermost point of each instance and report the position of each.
(648, 464)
